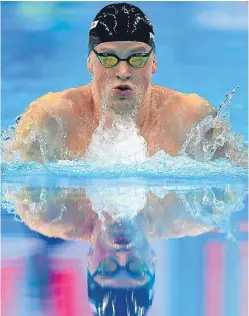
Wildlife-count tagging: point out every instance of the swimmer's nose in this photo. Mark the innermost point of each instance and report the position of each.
(123, 70)
(123, 257)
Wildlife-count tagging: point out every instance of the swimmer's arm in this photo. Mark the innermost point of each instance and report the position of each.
(178, 215)
(63, 213)
(40, 149)
(37, 133)
(29, 124)
(199, 109)
(170, 218)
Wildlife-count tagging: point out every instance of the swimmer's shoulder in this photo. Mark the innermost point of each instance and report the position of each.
(193, 105)
(72, 101)
(163, 94)
(79, 96)
(64, 105)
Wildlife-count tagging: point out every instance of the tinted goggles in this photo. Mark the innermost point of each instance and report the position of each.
(137, 60)
(110, 267)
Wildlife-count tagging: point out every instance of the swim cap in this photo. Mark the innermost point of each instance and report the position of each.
(121, 22)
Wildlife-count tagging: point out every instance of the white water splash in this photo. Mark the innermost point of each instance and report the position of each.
(119, 144)
(212, 138)
(119, 202)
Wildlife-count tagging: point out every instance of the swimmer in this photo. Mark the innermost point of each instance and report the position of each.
(121, 62)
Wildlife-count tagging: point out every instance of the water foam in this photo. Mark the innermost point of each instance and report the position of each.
(120, 144)
(202, 143)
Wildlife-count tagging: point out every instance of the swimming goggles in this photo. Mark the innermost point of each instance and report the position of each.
(137, 60)
(110, 267)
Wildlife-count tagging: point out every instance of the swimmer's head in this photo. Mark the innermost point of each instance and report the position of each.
(120, 31)
(121, 256)
(121, 270)
(106, 300)
(121, 22)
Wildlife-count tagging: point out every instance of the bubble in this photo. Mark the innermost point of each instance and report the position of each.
(8, 207)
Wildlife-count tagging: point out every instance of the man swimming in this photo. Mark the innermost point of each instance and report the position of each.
(121, 61)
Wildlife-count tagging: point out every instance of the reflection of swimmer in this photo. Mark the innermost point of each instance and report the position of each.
(121, 271)
(121, 262)
(121, 61)
(71, 214)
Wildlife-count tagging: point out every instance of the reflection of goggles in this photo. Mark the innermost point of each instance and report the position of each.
(137, 60)
(135, 268)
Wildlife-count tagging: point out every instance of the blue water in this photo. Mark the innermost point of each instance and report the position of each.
(201, 48)
(200, 243)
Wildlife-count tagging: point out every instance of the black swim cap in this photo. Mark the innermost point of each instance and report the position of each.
(121, 22)
(108, 301)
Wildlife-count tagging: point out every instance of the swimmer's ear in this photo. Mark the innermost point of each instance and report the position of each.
(89, 64)
(154, 64)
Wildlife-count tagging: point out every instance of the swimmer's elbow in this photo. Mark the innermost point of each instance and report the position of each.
(39, 143)
(39, 150)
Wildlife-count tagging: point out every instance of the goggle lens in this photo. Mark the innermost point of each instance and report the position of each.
(137, 267)
(108, 61)
(107, 266)
(138, 61)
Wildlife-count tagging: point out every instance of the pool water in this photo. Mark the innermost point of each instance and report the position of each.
(199, 240)
(193, 215)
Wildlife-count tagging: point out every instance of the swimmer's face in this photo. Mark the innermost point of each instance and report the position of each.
(121, 258)
(106, 79)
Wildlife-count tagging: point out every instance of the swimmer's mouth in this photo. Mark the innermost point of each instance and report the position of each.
(122, 238)
(123, 90)
(123, 87)
(122, 241)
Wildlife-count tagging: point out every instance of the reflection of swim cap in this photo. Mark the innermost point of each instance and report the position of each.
(107, 301)
(121, 22)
